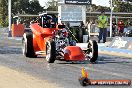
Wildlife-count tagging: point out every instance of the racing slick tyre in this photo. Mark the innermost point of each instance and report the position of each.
(50, 51)
(92, 50)
(27, 42)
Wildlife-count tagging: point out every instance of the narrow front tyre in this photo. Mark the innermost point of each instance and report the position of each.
(92, 50)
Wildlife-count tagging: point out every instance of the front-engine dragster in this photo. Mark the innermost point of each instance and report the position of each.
(54, 41)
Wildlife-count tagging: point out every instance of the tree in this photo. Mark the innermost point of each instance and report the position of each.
(26, 7)
(122, 5)
(93, 7)
(3, 13)
(99, 8)
(52, 5)
(18, 7)
(34, 7)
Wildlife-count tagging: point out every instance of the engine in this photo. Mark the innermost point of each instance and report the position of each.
(61, 40)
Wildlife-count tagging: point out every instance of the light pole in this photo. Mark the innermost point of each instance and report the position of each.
(111, 18)
(9, 17)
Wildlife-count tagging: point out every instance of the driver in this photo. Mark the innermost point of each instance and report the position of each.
(48, 22)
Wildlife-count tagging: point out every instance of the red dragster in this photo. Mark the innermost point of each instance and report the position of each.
(54, 41)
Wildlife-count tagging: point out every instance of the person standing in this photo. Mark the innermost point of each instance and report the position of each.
(121, 26)
(102, 25)
(113, 28)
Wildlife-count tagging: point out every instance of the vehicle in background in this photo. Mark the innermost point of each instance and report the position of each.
(128, 30)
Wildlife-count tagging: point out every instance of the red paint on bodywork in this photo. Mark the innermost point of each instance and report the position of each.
(73, 53)
(40, 36)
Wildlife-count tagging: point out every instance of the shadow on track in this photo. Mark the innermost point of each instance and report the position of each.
(105, 60)
(10, 50)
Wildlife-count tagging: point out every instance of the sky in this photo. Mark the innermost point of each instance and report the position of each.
(97, 2)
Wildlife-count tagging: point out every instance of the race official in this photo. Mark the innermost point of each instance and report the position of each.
(102, 25)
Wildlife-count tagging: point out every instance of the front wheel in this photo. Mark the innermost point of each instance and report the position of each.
(50, 51)
(92, 50)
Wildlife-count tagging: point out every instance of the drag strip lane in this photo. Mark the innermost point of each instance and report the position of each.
(64, 74)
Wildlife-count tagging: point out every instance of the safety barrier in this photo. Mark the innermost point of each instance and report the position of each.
(17, 30)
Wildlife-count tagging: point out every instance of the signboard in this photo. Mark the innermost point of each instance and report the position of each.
(78, 2)
(70, 13)
(122, 43)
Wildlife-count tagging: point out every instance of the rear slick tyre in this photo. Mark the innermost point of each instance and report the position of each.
(27, 42)
(50, 51)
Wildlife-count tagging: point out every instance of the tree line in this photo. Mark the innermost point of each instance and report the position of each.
(18, 7)
(34, 7)
(119, 6)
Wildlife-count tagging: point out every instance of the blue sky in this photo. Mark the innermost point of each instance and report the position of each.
(97, 2)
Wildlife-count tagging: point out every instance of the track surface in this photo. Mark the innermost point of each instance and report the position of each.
(64, 74)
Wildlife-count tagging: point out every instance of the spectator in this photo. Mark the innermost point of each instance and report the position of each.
(113, 28)
(93, 25)
(121, 26)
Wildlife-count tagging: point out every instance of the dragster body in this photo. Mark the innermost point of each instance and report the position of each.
(55, 43)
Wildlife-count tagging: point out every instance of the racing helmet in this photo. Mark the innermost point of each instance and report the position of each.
(48, 18)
